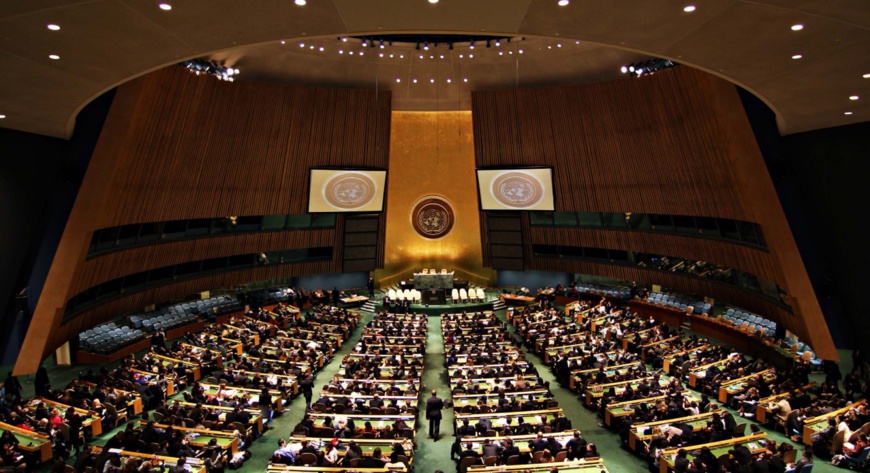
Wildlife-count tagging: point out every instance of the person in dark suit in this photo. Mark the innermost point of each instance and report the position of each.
(509, 450)
(306, 386)
(468, 452)
(433, 414)
(539, 444)
(681, 462)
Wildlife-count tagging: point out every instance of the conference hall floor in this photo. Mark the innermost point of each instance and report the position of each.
(430, 456)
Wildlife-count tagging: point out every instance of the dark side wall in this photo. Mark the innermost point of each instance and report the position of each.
(29, 169)
(821, 178)
(39, 180)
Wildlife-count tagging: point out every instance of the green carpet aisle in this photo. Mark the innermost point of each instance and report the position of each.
(432, 456)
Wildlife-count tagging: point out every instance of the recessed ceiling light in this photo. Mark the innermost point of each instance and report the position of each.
(797, 56)
(53, 56)
(398, 79)
(854, 97)
(465, 80)
(689, 8)
(165, 6)
(53, 27)
(797, 27)
(449, 80)
(563, 3)
(847, 113)
(2, 117)
(301, 45)
(301, 3)
(414, 81)
(283, 42)
(432, 80)
(433, 1)
(866, 76)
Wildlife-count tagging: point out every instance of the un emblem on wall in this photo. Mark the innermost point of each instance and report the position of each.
(432, 217)
(348, 191)
(517, 189)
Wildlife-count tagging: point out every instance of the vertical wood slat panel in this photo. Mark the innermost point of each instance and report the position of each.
(204, 148)
(675, 143)
(648, 145)
(199, 148)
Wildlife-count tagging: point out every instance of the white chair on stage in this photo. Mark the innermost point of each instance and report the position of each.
(443, 271)
(432, 271)
(463, 294)
(481, 295)
(455, 295)
(400, 295)
(425, 271)
(408, 295)
(391, 294)
(418, 296)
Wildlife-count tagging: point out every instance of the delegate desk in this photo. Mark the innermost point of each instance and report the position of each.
(378, 421)
(734, 387)
(287, 382)
(32, 443)
(520, 441)
(193, 368)
(461, 401)
(594, 392)
(643, 433)
(744, 341)
(489, 384)
(666, 462)
(616, 410)
(667, 342)
(575, 466)
(367, 446)
(409, 402)
(819, 423)
(225, 440)
(766, 405)
(538, 417)
(609, 371)
(231, 391)
(135, 403)
(699, 373)
(256, 421)
(433, 281)
(166, 382)
(90, 419)
(195, 464)
(693, 353)
(353, 300)
(275, 468)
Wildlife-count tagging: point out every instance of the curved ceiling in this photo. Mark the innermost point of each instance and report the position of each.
(102, 43)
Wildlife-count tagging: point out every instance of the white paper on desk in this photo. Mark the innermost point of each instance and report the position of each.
(752, 446)
(115, 450)
(640, 430)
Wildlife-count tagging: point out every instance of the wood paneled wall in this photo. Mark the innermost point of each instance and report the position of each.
(180, 146)
(677, 142)
(116, 264)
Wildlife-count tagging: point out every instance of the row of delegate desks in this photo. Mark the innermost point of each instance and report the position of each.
(576, 466)
(819, 423)
(690, 354)
(90, 419)
(744, 341)
(752, 442)
(642, 434)
(29, 442)
(766, 405)
(594, 392)
(256, 423)
(615, 410)
(135, 403)
(195, 464)
(729, 389)
(578, 376)
(381, 419)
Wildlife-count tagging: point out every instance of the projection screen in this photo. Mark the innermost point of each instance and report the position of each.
(346, 190)
(515, 189)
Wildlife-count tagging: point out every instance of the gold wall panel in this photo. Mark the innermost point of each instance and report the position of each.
(432, 153)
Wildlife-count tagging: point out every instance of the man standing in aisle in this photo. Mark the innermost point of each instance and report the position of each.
(433, 413)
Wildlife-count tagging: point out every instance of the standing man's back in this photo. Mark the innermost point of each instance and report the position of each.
(433, 413)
